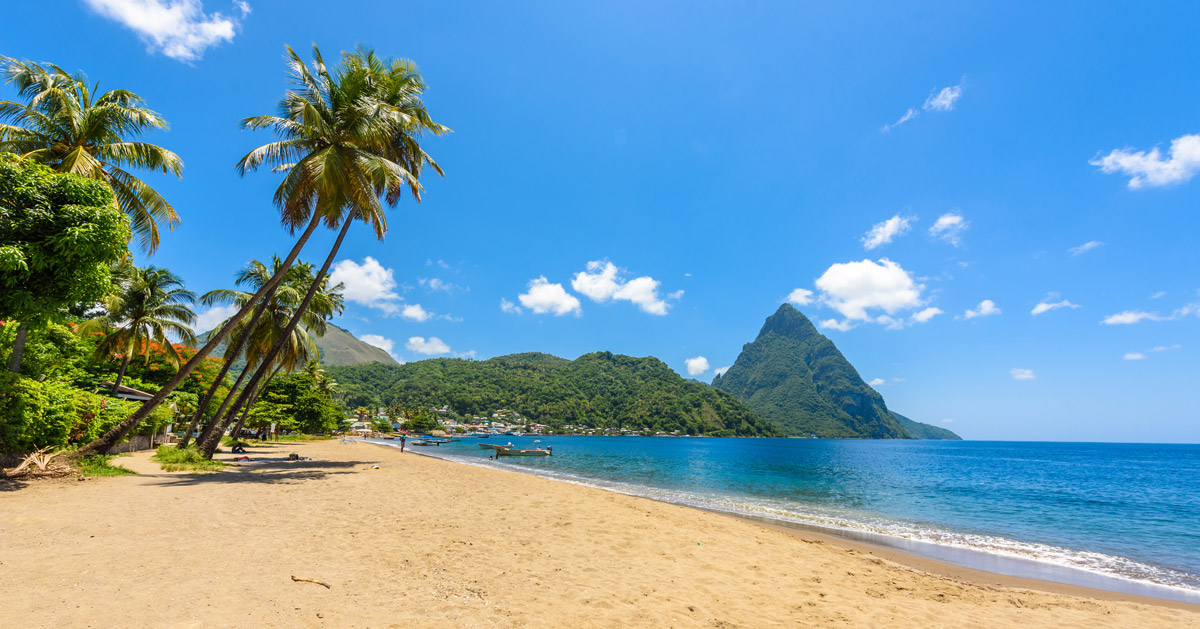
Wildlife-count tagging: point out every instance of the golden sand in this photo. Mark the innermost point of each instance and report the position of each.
(424, 542)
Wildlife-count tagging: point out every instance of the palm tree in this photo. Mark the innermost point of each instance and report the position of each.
(65, 124)
(259, 338)
(150, 306)
(346, 139)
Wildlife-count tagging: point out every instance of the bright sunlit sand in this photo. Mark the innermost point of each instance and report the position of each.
(424, 542)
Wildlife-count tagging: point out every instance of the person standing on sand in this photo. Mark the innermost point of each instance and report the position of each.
(402, 443)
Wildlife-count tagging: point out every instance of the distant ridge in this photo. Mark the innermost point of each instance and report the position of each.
(338, 347)
(795, 377)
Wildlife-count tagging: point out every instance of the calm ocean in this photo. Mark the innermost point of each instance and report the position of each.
(1122, 517)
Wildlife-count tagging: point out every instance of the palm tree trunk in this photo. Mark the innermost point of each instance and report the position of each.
(229, 397)
(109, 439)
(253, 399)
(208, 442)
(14, 361)
(121, 373)
(208, 448)
(230, 355)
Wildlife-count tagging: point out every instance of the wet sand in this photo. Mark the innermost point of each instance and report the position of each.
(425, 542)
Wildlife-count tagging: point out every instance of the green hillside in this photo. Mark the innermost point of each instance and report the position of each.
(338, 348)
(795, 377)
(920, 430)
(601, 390)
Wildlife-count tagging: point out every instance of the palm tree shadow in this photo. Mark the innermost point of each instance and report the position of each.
(267, 472)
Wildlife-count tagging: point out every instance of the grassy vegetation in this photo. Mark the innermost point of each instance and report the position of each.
(228, 441)
(173, 459)
(98, 465)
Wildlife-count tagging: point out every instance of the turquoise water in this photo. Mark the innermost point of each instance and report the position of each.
(1118, 516)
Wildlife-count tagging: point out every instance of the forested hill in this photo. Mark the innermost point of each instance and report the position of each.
(338, 347)
(794, 376)
(601, 390)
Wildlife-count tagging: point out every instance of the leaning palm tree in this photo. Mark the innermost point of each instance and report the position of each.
(68, 125)
(259, 338)
(256, 275)
(347, 138)
(150, 306)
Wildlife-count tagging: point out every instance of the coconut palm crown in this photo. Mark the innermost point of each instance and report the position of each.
(150, 306)
(73, 128)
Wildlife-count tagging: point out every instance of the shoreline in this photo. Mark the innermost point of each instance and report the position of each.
(417, 541)
(886, 547)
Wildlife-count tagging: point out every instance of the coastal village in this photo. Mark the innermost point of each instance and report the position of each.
(499, 422)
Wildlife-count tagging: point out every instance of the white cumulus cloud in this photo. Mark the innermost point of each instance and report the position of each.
(509, 307)
(883, 233)
(949, 227)
(211, 318)
(855, 288)
(432, 346)
(986, 308)
(603, 281)
(925, 315)
(697, 365)
(383, 343)
(720, 371)
(414, 312)
(544, 297)
(1085, 247)
(1022, 374)
(1149, 169)
(800, 296)
(368, 284)
(179, 29)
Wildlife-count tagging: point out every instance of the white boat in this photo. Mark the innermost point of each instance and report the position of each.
(497, 446)
(512, 452)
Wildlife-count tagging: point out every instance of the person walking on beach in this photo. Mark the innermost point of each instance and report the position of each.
(402, 443)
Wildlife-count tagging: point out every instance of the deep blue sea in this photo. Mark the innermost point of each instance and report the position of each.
(1124, 517)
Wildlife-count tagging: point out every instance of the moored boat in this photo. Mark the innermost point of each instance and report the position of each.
(489, 446)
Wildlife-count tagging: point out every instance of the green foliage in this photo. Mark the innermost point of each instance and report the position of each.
(99, 465)
(34, 414)
(59, 235)
(919, 430)
(271, 408)
(51, 351)
(173, 459)
(308, 408)
(795, 377)
(600, 390)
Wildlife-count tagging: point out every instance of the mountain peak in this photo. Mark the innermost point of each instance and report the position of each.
(790, 322)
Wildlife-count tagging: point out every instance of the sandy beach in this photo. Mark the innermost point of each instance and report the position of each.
(424, 542)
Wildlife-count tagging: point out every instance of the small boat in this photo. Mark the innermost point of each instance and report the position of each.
(489, 446)
(538, 452)
(421, 442)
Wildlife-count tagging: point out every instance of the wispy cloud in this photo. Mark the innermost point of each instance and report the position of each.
(1046, 305)
(180, 29)
(941, 100)
(882, 233)
(1152, 350)
(1022, 374)
(949, 227)
(1085, 247)
(1149, 169)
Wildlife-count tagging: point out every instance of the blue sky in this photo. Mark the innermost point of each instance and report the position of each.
(906, 166)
